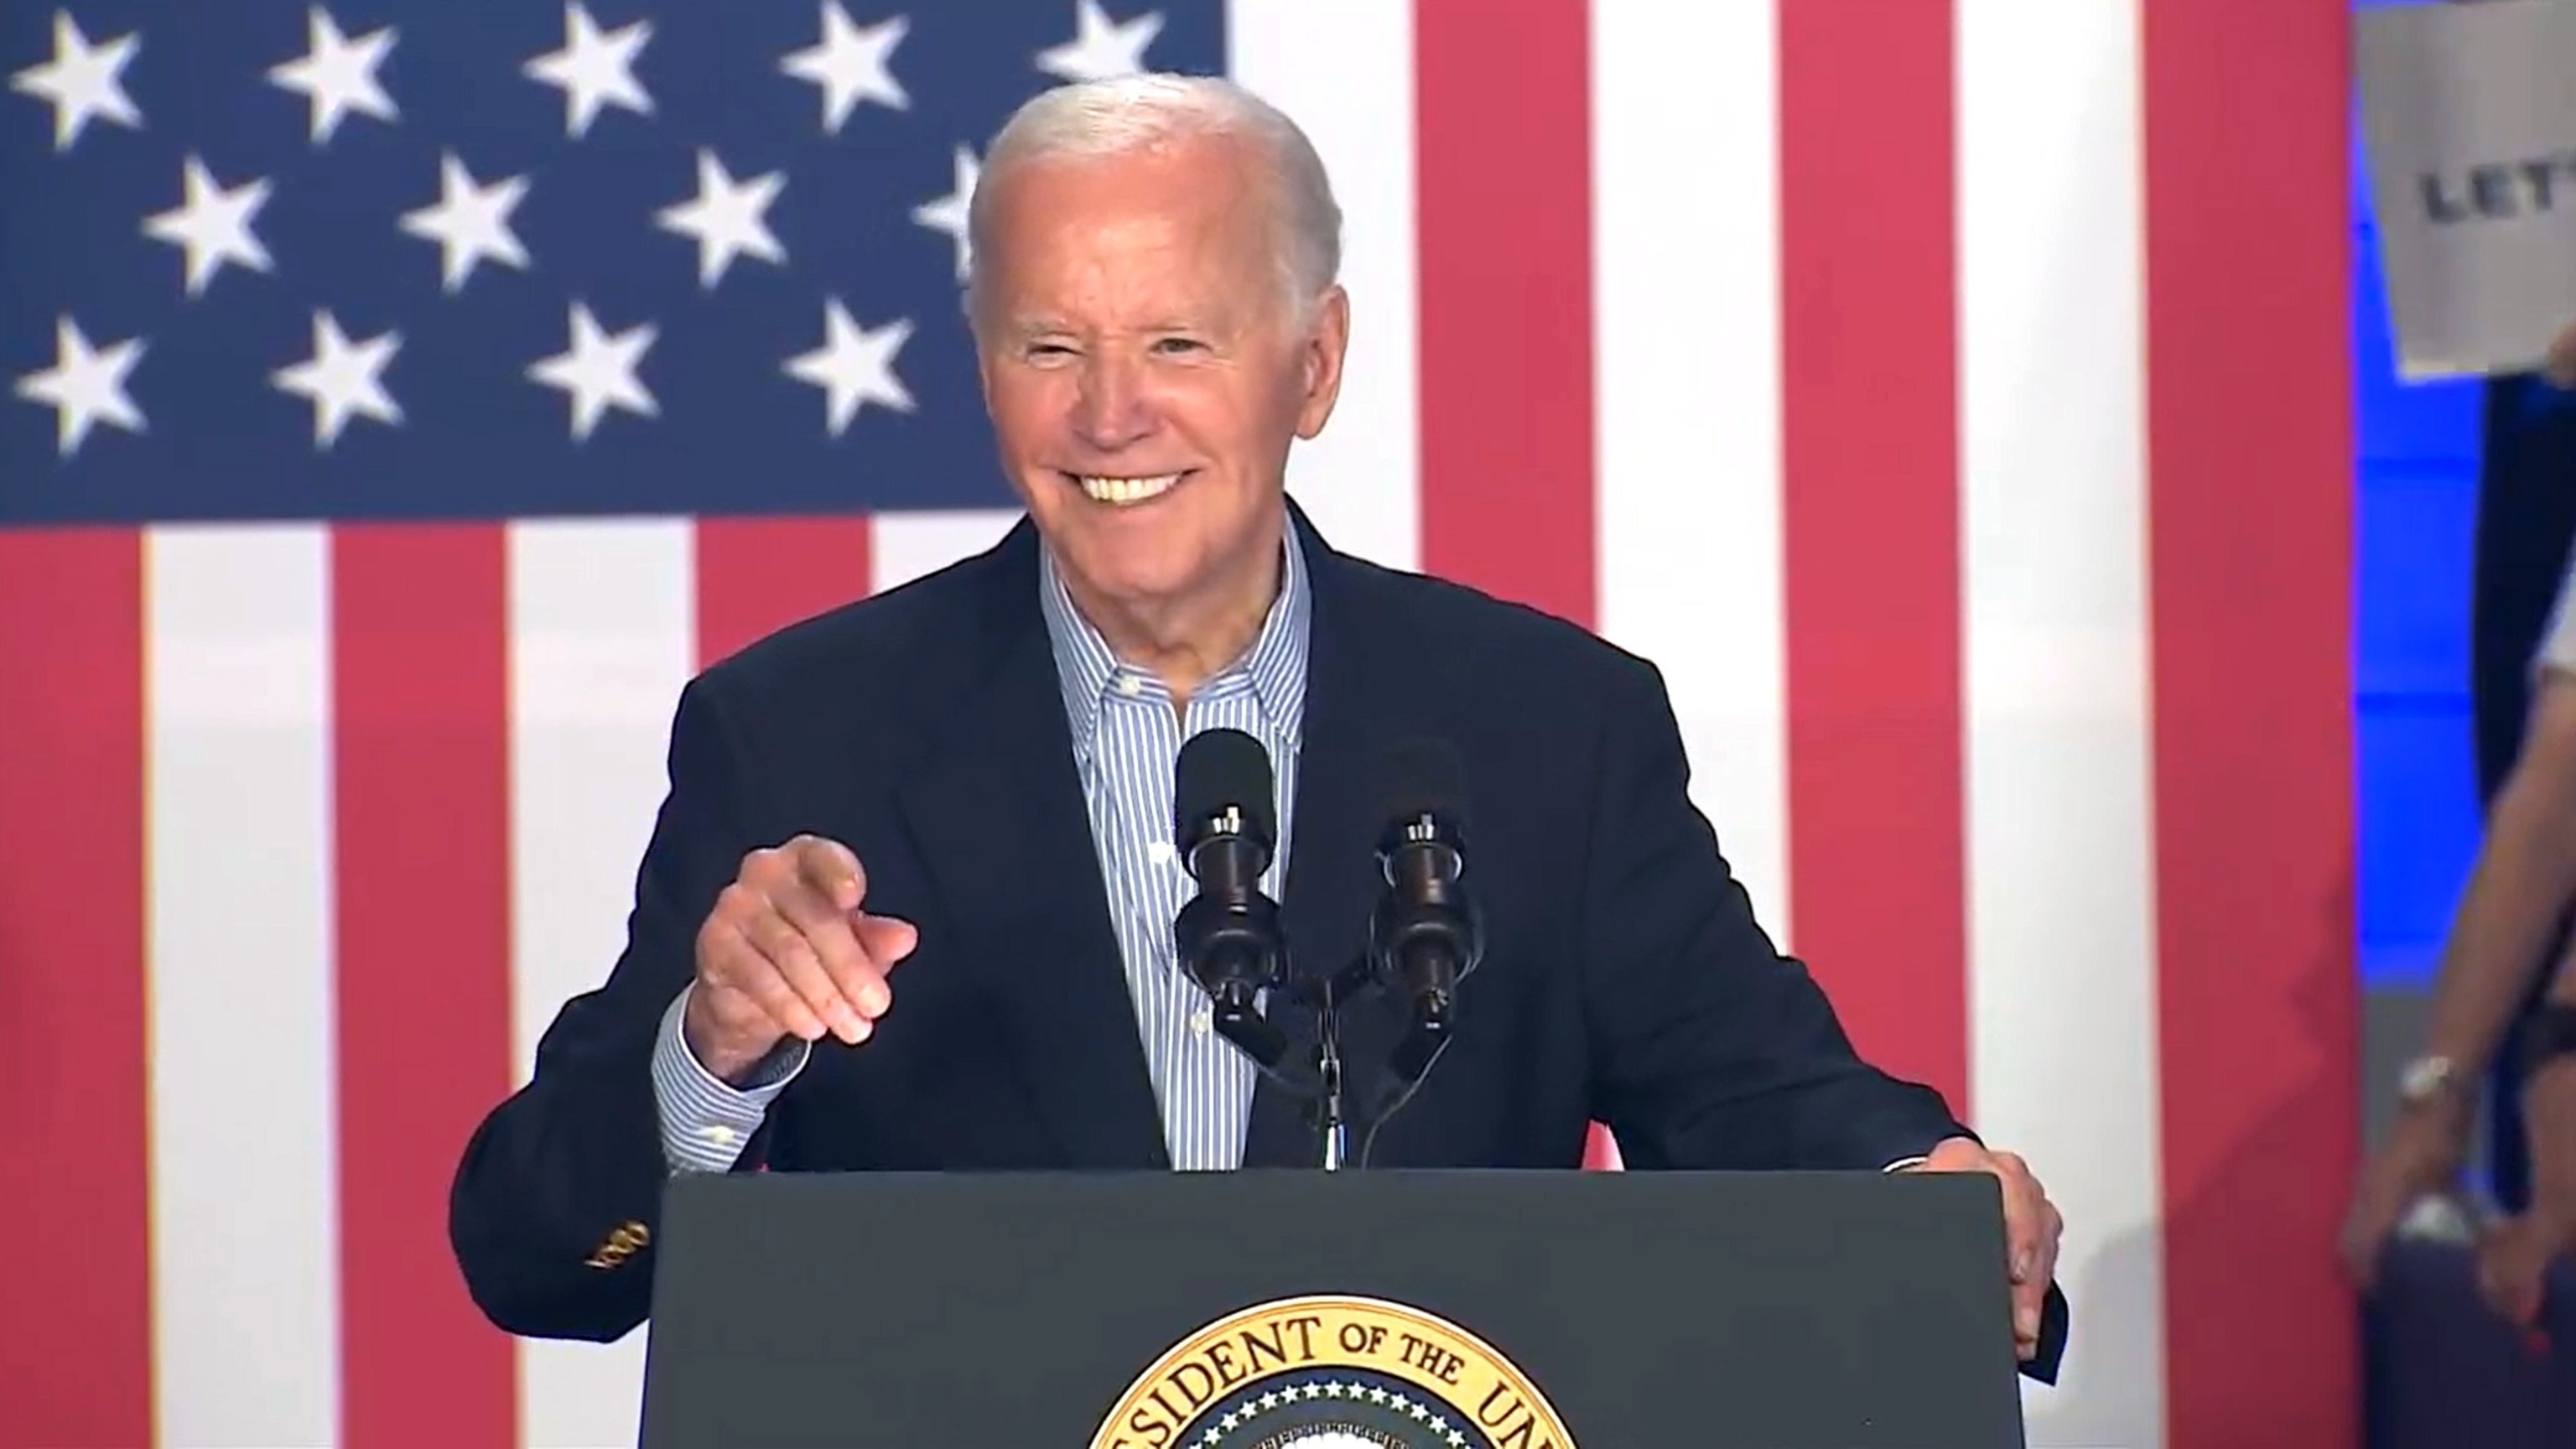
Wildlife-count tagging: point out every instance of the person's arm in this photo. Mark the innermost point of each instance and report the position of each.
(2522, 882)
(2520, 886)
(557, 1194)
(1716, 1051)
(707, 1120)
(2549, 1117)
(2517, 893)
(2517, 1256)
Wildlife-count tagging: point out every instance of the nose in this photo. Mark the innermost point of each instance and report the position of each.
(1111, 410)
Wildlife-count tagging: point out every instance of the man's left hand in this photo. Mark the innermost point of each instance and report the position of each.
(2032, 1229)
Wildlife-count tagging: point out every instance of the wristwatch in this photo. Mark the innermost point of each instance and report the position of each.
(2550, 1034)
(2425, 1079)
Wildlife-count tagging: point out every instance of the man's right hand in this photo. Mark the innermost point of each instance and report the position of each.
(787, 952)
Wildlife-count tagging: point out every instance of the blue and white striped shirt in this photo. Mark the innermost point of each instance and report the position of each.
(1126, 738)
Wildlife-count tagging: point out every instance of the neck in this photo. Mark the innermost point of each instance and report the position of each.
(1183, 641)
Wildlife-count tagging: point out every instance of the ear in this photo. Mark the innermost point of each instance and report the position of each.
(979, 338)
(1320, 380)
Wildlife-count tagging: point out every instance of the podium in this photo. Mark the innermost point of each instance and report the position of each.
(1312, 1310)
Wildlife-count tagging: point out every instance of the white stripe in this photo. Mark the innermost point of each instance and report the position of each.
(1686, 309)
(2060, 831)
(603, 635)
(905, 546)
(244, 1235)
(1344, 70)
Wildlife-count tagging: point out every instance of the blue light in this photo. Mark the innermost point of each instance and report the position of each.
(2416, 512)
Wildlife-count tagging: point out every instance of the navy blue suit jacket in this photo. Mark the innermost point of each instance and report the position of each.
(1625, 979)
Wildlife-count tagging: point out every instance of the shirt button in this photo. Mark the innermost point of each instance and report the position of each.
(1130, 686)
(1160, 852)
(1199, 1022)
(720, 1136)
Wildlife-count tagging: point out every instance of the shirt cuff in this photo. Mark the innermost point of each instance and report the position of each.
(1902, 1163)
(706, 1121)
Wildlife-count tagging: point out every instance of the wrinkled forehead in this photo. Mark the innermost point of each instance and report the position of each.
(1179, 224)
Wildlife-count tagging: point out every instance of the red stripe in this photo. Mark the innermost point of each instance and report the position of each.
(758, 575)
(76, 1314)
(422, 877)
(1503, 143)
(2248, 398)
(1503, 191)
(1870, 442)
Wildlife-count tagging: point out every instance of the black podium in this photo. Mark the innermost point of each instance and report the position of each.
(1272, 1310)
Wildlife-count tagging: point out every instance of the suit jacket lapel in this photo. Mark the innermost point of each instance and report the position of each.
(1357, 699)
(999, 818)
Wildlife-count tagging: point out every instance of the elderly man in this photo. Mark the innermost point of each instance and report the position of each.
(909, 903)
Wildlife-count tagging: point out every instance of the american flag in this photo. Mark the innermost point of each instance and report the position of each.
(406, 398)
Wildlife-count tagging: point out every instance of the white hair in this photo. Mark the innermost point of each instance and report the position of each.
(1134, 113)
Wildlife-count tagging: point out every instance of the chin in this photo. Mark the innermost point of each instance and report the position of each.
(1133, 540)
(1121, 570)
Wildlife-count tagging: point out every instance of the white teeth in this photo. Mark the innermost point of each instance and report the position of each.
(1128, 490)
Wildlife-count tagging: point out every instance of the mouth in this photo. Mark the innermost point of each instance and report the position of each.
(1125, 490)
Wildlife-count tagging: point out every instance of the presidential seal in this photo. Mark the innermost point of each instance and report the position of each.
(1332, 1372)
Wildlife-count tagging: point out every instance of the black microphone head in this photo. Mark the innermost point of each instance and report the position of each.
(1424, 936)
(1419, 777)
(1222, 771)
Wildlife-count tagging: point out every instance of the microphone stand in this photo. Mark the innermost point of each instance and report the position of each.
(1318, 1083)
(1329, 1142)
(1322, 1082)
(1328, 1110)
(1420, 1048)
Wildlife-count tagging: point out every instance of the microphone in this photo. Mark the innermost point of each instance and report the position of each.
(1425, 936)
(1227, 936)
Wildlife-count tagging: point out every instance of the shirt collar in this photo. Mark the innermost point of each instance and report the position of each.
(1275, 664)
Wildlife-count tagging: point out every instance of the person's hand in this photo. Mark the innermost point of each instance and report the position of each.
(2032, 1229)
(2561, 366)
(2422, 1156)
(787, 952)
(2514, 1259)
(2515, 1256)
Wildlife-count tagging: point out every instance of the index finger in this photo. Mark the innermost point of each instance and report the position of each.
(828, 868)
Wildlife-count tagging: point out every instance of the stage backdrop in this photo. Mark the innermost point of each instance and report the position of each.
(408, 397)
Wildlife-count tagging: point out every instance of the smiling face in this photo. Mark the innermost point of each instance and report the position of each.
(1146, 375)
